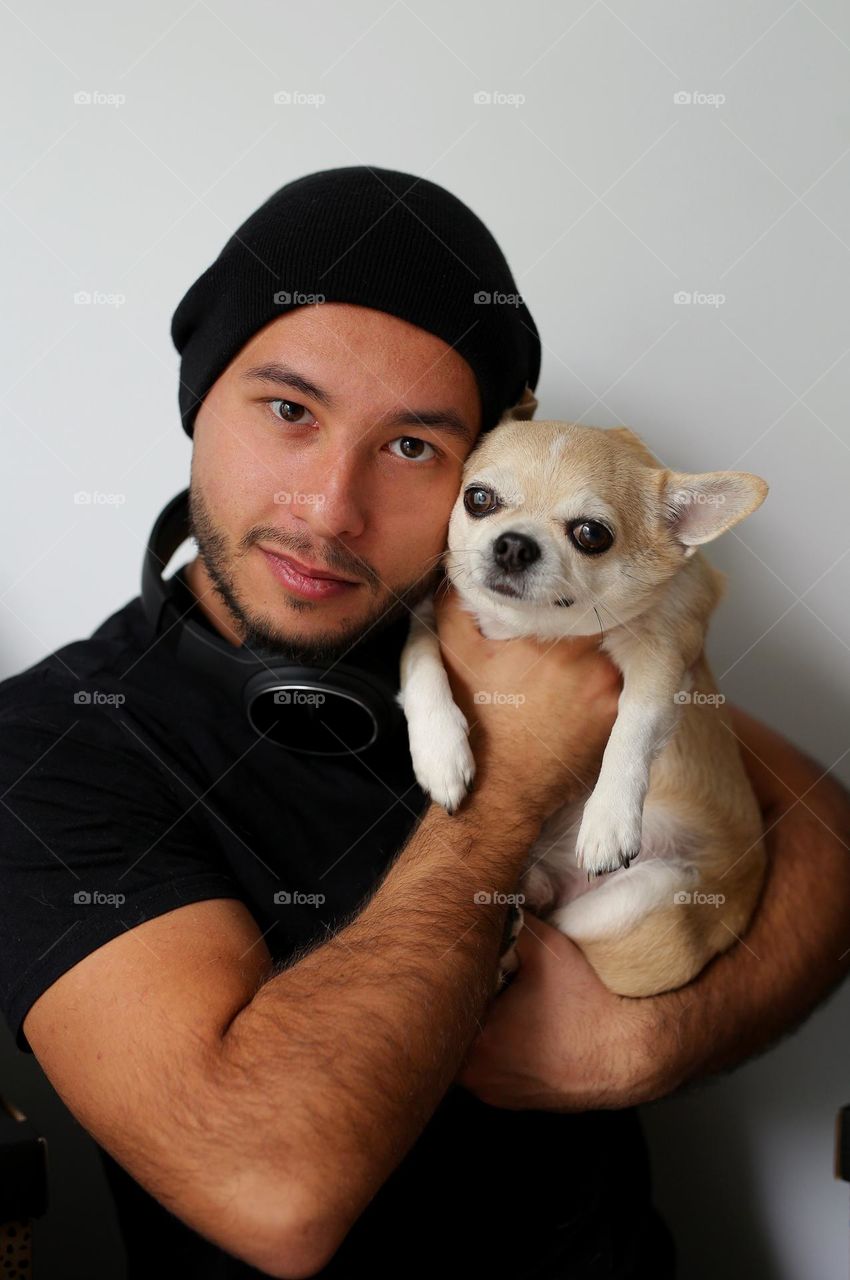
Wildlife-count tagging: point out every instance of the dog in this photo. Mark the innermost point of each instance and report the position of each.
(568, 530)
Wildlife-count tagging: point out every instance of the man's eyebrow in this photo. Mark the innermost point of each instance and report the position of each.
(290, 378)
(438, 419)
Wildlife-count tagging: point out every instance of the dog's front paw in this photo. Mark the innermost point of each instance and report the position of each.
(609, 835)
(442, 757)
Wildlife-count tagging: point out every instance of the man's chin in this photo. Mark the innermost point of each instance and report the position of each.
(321, 642)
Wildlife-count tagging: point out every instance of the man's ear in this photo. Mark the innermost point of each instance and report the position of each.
(523, 410)
(698, 508)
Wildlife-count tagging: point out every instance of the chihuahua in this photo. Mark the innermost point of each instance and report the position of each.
(567, 530)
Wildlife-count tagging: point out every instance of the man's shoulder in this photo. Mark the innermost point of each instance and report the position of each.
(116, 703)
(94, 669)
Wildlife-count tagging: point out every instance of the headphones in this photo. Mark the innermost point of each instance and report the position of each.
(337, 711)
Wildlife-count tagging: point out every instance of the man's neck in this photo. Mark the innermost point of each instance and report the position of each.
(209, 602)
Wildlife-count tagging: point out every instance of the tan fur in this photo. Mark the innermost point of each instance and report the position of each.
(702, 775)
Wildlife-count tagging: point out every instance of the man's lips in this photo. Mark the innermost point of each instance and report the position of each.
(313, 585)
(307, 571)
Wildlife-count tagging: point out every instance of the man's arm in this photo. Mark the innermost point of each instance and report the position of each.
(264, 1108)
(339, 1060)
(557, 1039)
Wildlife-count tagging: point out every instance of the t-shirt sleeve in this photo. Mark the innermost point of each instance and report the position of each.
(95, 838)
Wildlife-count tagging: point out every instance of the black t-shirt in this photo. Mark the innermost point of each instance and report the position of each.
(122, 773)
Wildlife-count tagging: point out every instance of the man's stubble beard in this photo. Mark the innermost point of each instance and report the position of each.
(259, 634)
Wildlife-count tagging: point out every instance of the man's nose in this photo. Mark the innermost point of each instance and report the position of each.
(335, 507)
(514, 552)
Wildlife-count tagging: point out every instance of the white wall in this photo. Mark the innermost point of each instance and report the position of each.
(608, 197)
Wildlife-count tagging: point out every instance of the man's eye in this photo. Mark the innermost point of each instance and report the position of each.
(290, 410)
(411, 447)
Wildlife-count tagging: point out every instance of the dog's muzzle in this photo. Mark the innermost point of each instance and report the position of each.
(515, 552)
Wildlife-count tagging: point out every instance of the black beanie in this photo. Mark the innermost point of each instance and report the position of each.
(371, 237)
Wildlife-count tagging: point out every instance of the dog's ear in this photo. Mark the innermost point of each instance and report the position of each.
(698, 508)
(523, 410)
(628, 438)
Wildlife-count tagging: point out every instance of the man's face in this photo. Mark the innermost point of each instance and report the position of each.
(336, 438)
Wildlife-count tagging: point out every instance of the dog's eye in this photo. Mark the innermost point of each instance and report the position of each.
(479, 501)
(590, 535)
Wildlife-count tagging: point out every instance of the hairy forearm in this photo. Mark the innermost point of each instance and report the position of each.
(340, 1059)
(797, 948)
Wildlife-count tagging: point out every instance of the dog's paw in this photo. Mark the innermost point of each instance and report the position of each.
(609, 836)
(442, 757)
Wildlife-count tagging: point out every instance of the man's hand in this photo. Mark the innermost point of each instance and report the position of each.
(557, 1039)
(544, 741)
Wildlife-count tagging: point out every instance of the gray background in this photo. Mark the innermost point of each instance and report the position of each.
(608, 197)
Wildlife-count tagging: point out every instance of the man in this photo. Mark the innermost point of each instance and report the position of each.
(274, 1013)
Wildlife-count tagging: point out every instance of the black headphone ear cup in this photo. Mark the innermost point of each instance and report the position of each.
(316, 712)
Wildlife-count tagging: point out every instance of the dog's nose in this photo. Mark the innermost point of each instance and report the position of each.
(514, 552)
